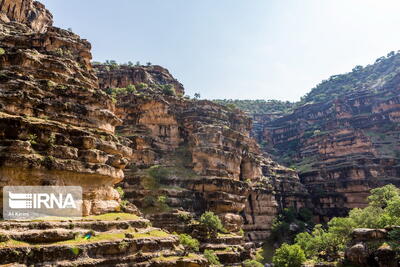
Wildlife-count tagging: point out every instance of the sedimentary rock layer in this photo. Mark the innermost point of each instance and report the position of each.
(198, 155)
(56, 126)
(342, 148)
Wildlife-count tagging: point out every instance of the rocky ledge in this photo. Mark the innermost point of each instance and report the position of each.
(341, 148)
(107, 240)
(56, 125)
(196, 156)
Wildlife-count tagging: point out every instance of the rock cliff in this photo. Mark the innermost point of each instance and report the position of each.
(198, 156)
(31, 13)
(342, 137)
(57, 127)
(341, 148)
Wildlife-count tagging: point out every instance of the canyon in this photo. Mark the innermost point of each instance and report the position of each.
(152, 161)
(173, 158)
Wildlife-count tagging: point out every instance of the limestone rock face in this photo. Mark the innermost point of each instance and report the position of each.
(198, 156)
(120, 242)
(56, 126)
(341, 148)
(122, 76)
(29, 12)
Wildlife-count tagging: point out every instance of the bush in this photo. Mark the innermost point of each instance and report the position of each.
(289, 256)
(211, 257)
(189, 242)
(383, 210)
(381, 196)
(211, 222)
(281, 230)
(120, 192)
(131, 88)
(141, 86)
(2, 51)
(168, 89)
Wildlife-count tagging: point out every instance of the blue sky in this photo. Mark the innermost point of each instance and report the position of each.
(244, 49)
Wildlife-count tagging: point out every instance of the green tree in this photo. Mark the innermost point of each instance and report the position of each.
(168, 89)
(211, 222)
(190, 243)
(211, 257)
(381, 196)
(289, 256)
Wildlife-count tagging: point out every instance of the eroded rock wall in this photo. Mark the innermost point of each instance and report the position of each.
(56, 125)
(119, 76)
(342, 148)
(29, 12)
(200, 156)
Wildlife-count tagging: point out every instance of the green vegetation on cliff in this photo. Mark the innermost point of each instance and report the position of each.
(372, 77)
(258, 106)
(327, 243)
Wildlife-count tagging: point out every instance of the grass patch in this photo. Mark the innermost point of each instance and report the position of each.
(98, 238)
(175, 258)
(112, 217)
(153, 233)
(13, 243)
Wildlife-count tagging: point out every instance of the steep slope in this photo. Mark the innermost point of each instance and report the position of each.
(57, 128)
(344, 140)
(196, 156)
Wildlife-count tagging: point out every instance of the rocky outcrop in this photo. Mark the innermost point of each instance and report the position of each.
(198, 156)
(118, 240)
(372, 247)
(56, 125)
(341, 148)
(29, 12)
(120, 76)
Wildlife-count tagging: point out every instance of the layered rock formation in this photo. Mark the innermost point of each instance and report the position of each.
(341, 148)
(56, 126)
(342, 137)
(111, 76)
(31, 13)
(119, 240)
(198, 156)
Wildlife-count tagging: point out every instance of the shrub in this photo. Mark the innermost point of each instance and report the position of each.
(2, 51)
(32, 139)
(131, 88)
(141, 86)
(168, 89)
(120, 192)
(185, 216)
(381, 196)
(289, 256)
(383, 210)
(189, 242)
(211, 257)
(211, 222)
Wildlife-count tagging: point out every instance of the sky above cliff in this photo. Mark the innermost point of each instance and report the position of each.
(258, 49)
